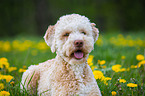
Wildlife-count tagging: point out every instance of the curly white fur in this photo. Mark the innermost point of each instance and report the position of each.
(66, 75)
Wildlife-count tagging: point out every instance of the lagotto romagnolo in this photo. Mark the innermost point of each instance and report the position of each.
(68, 74)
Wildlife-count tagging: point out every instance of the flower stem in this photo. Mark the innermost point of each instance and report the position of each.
(132, 92)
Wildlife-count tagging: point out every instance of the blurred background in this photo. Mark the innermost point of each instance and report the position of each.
(34, 16)
(120, 46)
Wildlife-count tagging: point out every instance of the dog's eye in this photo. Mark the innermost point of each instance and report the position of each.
(66, 34)
(84, 33)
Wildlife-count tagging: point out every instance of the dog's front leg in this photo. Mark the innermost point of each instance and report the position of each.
(30, 79)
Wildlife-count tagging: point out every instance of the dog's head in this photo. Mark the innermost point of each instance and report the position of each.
(72, 37)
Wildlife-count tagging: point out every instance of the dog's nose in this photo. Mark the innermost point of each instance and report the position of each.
(78, 43)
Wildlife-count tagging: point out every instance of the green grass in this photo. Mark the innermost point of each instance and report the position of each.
(107, 51)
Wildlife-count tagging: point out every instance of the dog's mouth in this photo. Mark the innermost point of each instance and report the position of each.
(78, 54)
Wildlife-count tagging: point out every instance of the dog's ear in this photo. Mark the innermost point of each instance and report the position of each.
(49, 37)
(95, 32)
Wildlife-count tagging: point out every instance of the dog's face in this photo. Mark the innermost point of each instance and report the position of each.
(73, 38)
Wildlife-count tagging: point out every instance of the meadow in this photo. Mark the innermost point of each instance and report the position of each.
(117, 62)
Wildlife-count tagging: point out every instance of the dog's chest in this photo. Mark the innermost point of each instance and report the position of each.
(78, 71)
(68, 80)
(81, 74)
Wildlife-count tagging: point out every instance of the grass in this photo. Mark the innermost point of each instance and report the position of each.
(105, 49)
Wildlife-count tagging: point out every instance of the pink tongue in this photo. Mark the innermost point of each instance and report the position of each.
(78, 55)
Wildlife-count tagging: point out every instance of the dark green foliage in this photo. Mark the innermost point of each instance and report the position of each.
(33, 16)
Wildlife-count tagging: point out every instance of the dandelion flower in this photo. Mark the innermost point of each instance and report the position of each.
(6, 46)
(116, 67)
(98, 61)
(8, 78)
(141, 63)
(93, 67)
(104, 67)
(108, 78)
(113, 93)
(12, 83)
(102, 62)
(43, 46)
(122, 80)
(22, 70)
(131, 85)
(98, 74)
(1, 86)
(122, 69)
(4, 62)
(90, 64)
(99, 42)
(10, 69)
(24, 67)
(140, 57)
(127, 69)
(3, 59)
(133, 66)
(4, 93)
(90, 59)
(105, 79)
(122, 57)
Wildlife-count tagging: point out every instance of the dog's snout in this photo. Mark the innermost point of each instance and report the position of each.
(78, 43)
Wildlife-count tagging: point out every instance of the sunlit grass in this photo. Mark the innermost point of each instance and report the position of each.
(117, 62)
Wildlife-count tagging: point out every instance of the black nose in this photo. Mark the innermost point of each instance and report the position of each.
(78, 43)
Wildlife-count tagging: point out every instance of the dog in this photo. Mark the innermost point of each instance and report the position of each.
(72, 38)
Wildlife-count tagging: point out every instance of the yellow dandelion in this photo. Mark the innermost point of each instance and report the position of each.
(90, 59)
(116, 67)
(1, 77)
(102, 62)
(102, 78)
(4, 93)
(10, 69)
(12, 83)
(131, 85)
(6, 46)
(123, 57)
(140, 57)
(22, 70)
(133, 66)
(107, 78)
(104, 67)
(105, 83)
(43, 46)
(4, 63)
(93, 67)
(122, 80)
(99, 42)
(15, 44)
(98, 61)
(127, 69)
(91, 56)
(122, 69)
(24, 67)
(1, 86)
(3, 59)
(90, 64)
(113, 93)
(8, 78)
(141, 63)
(98, 74)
